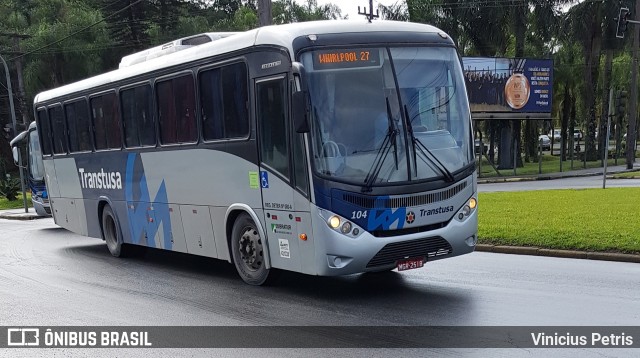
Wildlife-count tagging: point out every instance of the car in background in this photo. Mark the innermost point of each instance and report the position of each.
(577, 134)
(485, 148)
(546, 141)
(556, 135)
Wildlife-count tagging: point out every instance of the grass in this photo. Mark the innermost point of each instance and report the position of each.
(16, 204)
(550, 164)
(589, 219)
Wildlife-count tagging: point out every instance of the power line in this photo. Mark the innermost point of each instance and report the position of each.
(77, 32)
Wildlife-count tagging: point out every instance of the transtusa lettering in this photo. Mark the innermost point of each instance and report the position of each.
(100, 180)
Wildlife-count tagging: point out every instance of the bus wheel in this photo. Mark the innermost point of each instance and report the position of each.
(248, 251)
(111, 232)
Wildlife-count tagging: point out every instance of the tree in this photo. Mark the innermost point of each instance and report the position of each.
(583, 24)
(53, 57)
(610, 45)
(288, 11)
(397, 11)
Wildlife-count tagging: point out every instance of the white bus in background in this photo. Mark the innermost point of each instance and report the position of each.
(326, 148)
(34, 168)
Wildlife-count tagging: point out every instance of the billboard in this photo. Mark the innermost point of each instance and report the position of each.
(517, 87)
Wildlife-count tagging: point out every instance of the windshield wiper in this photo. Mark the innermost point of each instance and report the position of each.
(426, 153)
(389, 140)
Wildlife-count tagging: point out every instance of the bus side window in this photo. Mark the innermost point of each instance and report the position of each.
(44, 130)
(146, 126)
(137, 114)
(223, 100)
(176, 110)
(58, 130)
(300, 163)
(78, 126)
(272, 119)
(106, 121)
(235, 99)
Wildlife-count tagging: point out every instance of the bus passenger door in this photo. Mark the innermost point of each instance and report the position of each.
(275, 176)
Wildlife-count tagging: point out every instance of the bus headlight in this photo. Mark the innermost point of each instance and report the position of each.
(339, 224)
(334, 221)
(467, 209)
(346, 228)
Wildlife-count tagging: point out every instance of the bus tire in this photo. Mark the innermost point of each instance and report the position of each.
(111, 233)
(248, 252)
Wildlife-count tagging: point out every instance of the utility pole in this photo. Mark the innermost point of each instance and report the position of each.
(15, 130)
(23, 100)
(264, 12)
(370, 15)
(24, 108)
(610, 113)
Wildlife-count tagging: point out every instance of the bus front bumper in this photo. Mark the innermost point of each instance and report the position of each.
(337, 254)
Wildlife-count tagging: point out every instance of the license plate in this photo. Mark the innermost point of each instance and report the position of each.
(412, 263)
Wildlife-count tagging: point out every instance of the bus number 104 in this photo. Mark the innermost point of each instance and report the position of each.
(359, 214)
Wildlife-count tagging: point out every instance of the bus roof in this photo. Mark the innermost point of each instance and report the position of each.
(278, 35)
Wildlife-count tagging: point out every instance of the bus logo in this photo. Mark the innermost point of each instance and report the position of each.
(386, 218)
(100, 180)
(23, 336)
(411, 217)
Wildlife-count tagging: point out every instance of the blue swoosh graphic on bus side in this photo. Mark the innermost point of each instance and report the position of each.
(140, 219)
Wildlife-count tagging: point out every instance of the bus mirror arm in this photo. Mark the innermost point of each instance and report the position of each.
(300, 111)
(18, 139)
(15, 142)
(16, 155)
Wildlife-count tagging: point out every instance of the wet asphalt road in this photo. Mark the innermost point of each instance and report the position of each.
(49, 276)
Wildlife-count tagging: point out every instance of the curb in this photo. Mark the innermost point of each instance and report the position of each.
(20, 216)
(623, 178)
(546, 177)
(570, 254)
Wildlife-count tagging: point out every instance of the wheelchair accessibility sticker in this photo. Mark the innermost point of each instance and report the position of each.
(264, 180)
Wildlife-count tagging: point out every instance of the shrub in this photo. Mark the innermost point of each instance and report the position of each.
(9, 188)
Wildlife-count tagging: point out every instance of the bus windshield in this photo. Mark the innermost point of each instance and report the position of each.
(36, 168)
(385, 115)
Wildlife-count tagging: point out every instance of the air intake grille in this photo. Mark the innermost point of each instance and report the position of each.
(407, 201)
(427, 247)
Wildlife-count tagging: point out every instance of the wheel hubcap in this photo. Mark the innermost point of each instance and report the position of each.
(251, 249)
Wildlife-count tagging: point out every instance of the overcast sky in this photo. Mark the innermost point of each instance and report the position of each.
(350, 7)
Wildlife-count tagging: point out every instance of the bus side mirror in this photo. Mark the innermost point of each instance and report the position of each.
(299, 111)
(16, 156)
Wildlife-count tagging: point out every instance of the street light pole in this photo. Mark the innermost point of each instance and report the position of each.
(15, 131)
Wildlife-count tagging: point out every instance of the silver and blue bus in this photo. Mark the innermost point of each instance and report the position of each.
(326, 148)
(34, 168)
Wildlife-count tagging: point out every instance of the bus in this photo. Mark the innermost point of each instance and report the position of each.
(34, 166)
(324, 148)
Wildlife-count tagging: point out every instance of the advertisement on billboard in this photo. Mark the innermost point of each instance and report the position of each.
(509, 86)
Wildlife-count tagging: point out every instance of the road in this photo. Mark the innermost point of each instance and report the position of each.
(49, 276)
(565, 183)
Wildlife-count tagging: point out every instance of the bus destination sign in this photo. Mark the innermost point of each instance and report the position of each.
(346, 58)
